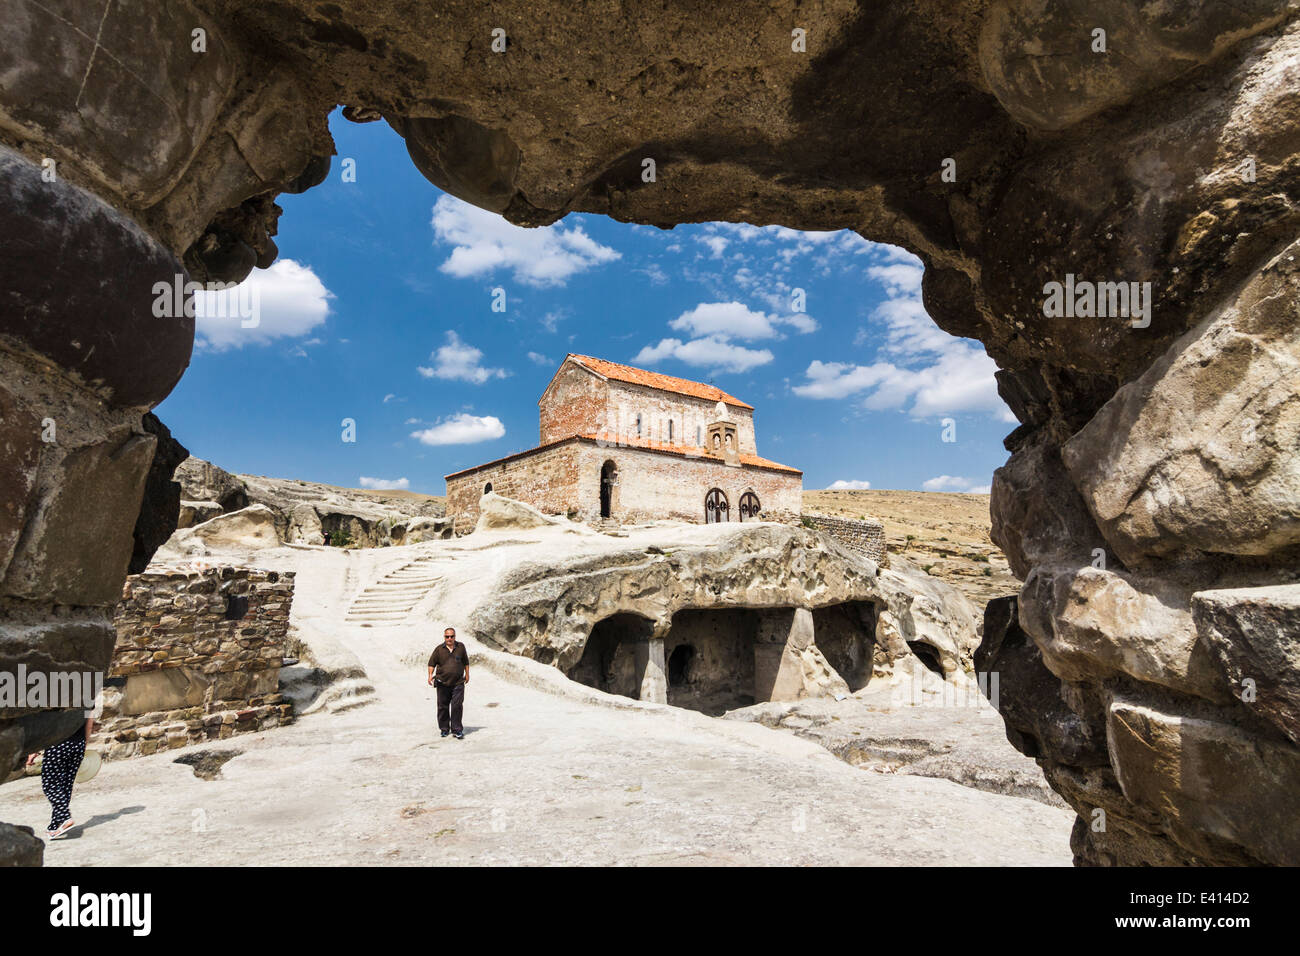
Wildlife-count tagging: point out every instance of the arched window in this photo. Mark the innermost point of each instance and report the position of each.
(487, 488)
(699, 436)
(749, 507)
(638, 425)
(715, 506)
(670, 430)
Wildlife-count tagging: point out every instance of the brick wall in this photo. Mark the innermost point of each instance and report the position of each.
(546, 479)
(573, 404)
(865, 536)
(580, 403)
(198, 658)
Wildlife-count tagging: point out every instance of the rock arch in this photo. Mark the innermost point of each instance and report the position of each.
(1003, 155)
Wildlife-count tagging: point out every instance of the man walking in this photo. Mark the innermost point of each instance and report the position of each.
(449, 672)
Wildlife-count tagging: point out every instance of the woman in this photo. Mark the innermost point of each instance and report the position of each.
(58, 773)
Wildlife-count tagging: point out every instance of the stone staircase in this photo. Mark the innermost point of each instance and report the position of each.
(390, 600)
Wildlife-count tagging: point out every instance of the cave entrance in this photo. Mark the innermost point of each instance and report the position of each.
(710, 656)
(679, 663)
(927, 656)
(845, 634)
(608, 661)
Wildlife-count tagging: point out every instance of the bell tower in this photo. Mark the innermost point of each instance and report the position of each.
(721, 438)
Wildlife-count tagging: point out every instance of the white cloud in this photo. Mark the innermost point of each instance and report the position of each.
(954, 483)
(537, 358)
(851, 484)
(554, 317)
(726, 319)
(285, 301)
(385, 484)
(484, 243)
(462, 429)
(716, 244)
(919, 367)
(457, 360)
(712, 352)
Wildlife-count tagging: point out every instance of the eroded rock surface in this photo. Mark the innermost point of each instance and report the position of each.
(303, 511)
(1167, 155)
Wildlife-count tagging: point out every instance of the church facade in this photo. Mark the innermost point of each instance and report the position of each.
(625, 444)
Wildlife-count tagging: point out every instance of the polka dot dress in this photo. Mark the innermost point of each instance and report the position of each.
(59, 772)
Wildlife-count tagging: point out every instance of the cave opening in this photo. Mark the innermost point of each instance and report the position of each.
(608, 661)
(679, 663)
(927, 656)
(845, 634)
(710, 655)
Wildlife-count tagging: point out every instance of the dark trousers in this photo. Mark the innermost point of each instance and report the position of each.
(451, 704)
(59, 769)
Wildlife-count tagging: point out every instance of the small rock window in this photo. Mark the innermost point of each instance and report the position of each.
(236, 606)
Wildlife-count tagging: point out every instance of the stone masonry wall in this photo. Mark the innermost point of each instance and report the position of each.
(656, 408)
(865, 536)
(565, 479)
(547, 480)
(197, 658)
(654, 485)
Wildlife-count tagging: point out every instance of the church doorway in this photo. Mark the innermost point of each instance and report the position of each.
(608, 477)
(716, 507)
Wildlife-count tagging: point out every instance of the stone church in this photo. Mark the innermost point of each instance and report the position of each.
(625, 444)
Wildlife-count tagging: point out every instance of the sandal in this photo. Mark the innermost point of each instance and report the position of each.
(61, 831)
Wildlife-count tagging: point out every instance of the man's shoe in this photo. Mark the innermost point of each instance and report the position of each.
(460, 736)
(446, 732)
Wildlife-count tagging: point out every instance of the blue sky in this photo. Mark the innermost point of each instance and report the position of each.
(379, 310)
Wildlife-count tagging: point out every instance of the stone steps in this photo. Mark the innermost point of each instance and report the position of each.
(390, 600)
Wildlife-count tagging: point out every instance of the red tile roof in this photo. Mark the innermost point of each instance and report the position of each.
(665, 383)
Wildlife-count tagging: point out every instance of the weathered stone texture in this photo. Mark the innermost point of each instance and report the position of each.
(197, 657)
(1169, 159)
(1253, 634)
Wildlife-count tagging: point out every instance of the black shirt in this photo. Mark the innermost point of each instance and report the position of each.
(449, 665)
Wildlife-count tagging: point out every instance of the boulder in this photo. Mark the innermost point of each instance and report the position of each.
(191, 513)
(1253, 634)
(249, 528)
(1090, 624)
(304, 526)
(924, 610)
(1214, 784)
(498, 513)
(203, 481)
(1198, 454)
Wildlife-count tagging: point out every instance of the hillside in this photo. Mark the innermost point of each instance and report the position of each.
(945, 533)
